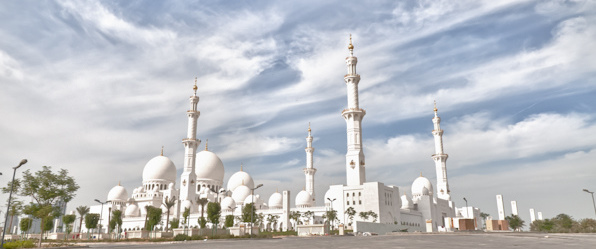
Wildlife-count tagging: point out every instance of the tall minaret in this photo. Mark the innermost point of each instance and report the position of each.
(188, 178)
(440, 159)
(353, 115)
(310, 171)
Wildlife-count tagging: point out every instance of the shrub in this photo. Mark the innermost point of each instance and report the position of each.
(181, 237)
(196, 237)
(19, 244)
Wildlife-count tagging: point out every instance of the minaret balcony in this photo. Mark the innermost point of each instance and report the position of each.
(352, 76)
(353, 110)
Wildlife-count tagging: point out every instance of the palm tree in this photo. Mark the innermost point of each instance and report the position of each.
(15, 209)
(82, 210)
(202, 202)
(351, 212)
(169, 204)
(295, 215)
(364, 215)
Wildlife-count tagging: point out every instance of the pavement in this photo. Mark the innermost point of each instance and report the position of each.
(406, 240)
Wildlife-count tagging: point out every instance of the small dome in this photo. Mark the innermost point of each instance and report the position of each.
(303, 199)
(276, 201)
(132, 211)
(422, 186)
(240, 194)
(228, 203)
(160, 168)
(186, 204)
(209, 166)
(406, 202)
(252, 198)
(240, 178)
(118, 194)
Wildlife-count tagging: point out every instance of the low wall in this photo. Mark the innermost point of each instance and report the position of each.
(378, 228)
(315, 229)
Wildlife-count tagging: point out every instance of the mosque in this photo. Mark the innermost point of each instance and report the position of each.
(203, 177)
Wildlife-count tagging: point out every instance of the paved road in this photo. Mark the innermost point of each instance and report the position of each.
(443, 241)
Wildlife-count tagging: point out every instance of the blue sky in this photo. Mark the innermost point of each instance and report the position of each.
(98, 87)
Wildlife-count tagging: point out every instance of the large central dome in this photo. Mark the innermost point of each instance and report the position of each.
(209, 166)
(159, 168)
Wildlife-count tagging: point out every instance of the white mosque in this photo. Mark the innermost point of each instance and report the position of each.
(203, 173)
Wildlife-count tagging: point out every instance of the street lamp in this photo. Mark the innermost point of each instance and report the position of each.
(252, 197)
(592, 193)
(466, 207)
(331, 201)
(9, 198)
(100, 215)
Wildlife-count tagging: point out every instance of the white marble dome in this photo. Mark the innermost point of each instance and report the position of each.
(276, 201)
(240, 193)
(160, 168)
(186, 204)
(303, 199)
(118, 194)
(422, 186)
(240, 178)
(406, 202)
(132, 211)
(252, 198)
(228, 203)
(209, 166)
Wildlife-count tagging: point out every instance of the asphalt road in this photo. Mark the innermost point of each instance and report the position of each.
(443, 241)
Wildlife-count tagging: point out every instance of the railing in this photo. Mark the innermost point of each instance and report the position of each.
(354, 110)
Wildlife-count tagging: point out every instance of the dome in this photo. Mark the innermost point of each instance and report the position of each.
(422, 186)
(186, 204)
(240, 178)
(240, 193)
(406, 202)
(160, 168)
(118, 194)
(303, 199)
(228, 203)
(276, 201)
(132, 211)
(252, 198)
(209, 166)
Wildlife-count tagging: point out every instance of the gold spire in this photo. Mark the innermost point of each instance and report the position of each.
(435, 106)
(207, 144)
(161, 151)
(350, 47)
(242, 181)
(241, 167)
(308, 126)
(276, 190)
(195, 86)
(119, 183)
(420, 173)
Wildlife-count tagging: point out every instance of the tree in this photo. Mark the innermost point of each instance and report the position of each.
(272, 220)
(25, 224)
(295, 216)
(48, 225)
(515, 222)
(68, 220)
(185, 215)
(174, 223)
(229, 222)
(202, 222)
(153, 217)
(91, 221)
(484, 217)
(46, 189)
(169, 204)
(563, 223)
(331, 216)
(202, 202)
(14, 210)
(214, 212)
(82, 210)
(364, 215)
(117, 220)
(248, 212)
(308, 215)
(373, 215)
(351, 212)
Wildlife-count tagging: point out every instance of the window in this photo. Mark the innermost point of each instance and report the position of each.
(353, 202)
(347, 194)
(348, 203)
(353, 194)
(360, 202)
(359, 193)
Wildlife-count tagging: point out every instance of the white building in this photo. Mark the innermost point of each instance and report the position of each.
(203, 173)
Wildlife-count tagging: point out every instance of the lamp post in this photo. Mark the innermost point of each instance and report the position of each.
(9, 199)
(100, 215)
(592, 193)
(252, 197)
(466, 207)
(331, 201)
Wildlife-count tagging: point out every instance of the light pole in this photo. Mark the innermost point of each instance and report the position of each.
(592, 193)
(252, 197)
(466, 207)
(9, 198)
(100, 215)
(331, 201)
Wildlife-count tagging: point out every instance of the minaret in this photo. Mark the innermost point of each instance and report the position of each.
(187, 190)
(310, 171)
(440, 159)
(353, 115)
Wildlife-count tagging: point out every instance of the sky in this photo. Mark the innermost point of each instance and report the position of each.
(98, 87)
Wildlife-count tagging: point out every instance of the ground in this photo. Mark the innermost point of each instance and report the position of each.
(444, 241)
